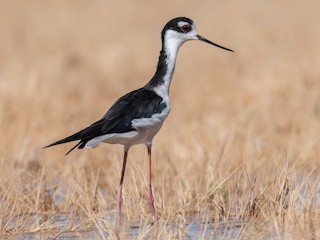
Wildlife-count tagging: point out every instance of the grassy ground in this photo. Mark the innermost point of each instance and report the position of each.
(239, 152)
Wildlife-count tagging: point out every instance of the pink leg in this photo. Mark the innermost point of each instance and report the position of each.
(150, 196)
(119, 196)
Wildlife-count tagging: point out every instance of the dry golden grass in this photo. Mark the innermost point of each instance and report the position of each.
(238, 155)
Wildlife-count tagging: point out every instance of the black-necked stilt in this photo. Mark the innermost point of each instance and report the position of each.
(137, 116)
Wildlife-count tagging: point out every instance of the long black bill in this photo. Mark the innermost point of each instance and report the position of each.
(214, 44)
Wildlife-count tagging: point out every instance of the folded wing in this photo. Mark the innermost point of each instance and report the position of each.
(141, 103)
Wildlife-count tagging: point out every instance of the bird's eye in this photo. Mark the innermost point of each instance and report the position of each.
(185, 28)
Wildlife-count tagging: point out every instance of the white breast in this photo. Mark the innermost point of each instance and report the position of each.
(148, 127)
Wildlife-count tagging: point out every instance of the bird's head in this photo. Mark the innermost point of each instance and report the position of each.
(181, 29)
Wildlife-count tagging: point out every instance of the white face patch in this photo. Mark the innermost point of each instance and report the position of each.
(174, 39)
(172, 42)
(182, 23)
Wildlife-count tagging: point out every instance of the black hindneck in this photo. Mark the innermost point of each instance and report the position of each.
(161, 71)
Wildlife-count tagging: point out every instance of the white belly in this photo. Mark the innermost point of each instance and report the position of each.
(145, 130)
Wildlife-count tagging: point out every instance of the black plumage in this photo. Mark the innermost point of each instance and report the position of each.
(140, 103)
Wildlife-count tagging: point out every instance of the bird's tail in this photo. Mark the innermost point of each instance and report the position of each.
(77, 145)
(74, 137)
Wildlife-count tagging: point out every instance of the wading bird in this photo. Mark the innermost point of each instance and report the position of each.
(138, 116)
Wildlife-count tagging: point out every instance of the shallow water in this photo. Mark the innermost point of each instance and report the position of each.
(194, 229)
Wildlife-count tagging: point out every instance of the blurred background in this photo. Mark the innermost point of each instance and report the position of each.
(243, 129)
(63, 63)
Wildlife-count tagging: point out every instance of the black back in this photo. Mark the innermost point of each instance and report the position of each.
(141, 103)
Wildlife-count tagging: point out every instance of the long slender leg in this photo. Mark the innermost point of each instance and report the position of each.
(150, 196)
(119, 196)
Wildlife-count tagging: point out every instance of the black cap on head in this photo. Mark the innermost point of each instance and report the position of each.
(186, 27)
(173, 25)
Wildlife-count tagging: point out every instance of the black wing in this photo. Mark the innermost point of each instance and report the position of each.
(141, 103)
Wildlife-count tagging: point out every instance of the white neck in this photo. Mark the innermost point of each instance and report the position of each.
(171, 46)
